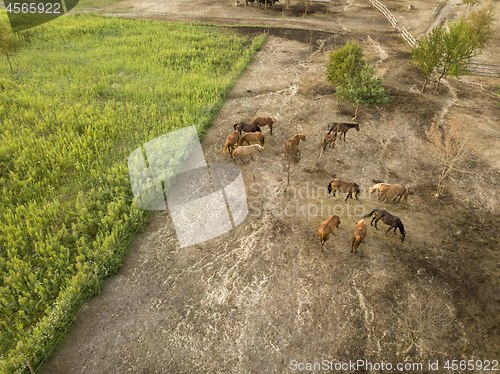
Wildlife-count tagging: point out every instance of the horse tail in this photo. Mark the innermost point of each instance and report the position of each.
(370, 214)
(330, 187)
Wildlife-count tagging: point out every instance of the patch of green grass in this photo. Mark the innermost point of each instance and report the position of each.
(86, 91)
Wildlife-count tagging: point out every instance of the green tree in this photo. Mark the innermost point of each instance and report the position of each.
(426, 56)
(9, 44)
(481, 24)
(449, 51)
(345, 63)
(363, 89)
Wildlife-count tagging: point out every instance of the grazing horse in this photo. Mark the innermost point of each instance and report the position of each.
(231, 143)
(246, 151)
(292, 145)
(398, 190)
(342, 127)
(375, 187)
(264, 121)
(247, 127)
(386, 217)
(254, 137)
(326, 228)
(349, 187)
(359, 235)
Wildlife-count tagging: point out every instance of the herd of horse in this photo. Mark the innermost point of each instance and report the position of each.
(247, 139)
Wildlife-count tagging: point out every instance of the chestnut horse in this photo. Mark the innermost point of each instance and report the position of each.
(326, 228)
(231, 143)
(292, 145)
(264, 121)
(359, 235)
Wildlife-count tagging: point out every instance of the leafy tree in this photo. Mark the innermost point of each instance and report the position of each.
(9, 44)
(449, 51)
(363, 89)
(345, 63)
(481, 23)
(426, 56)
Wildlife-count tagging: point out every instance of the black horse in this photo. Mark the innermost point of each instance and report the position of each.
(386, 217)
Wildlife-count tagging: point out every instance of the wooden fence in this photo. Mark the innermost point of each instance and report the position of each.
(474, 67)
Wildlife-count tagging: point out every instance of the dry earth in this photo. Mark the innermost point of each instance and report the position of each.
(252, 300)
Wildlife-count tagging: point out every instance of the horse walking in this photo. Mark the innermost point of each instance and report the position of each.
(346, 187)
(326, 228)
(360, 231)
(396, 190)
(342, 127)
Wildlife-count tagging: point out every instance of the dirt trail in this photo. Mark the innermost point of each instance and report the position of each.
(262, 295)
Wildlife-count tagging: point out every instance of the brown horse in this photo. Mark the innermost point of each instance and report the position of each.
(326, 228)
(359, 235)
(252, 137)
(386, 217)
(396, 190)
(292, 145)
(246, 127)
(339, 185)
(342, 127)
(264, 121)
(231, 143)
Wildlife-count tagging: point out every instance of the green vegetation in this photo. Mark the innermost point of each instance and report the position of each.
(9, 43)
(345, 63)
(85, 93)
(448, 51)
(354, 78)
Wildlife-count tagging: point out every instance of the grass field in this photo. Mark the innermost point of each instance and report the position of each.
(85, 92)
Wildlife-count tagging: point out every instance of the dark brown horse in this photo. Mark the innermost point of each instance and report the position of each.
(247, 127)
(339, 185)
(342, 127)
(386, 217)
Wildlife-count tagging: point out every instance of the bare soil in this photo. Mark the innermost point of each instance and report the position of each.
(264, 294)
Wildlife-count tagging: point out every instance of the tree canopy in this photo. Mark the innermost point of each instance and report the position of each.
(354, 78)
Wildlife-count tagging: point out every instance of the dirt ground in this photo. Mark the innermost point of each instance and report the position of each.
(257, 298)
